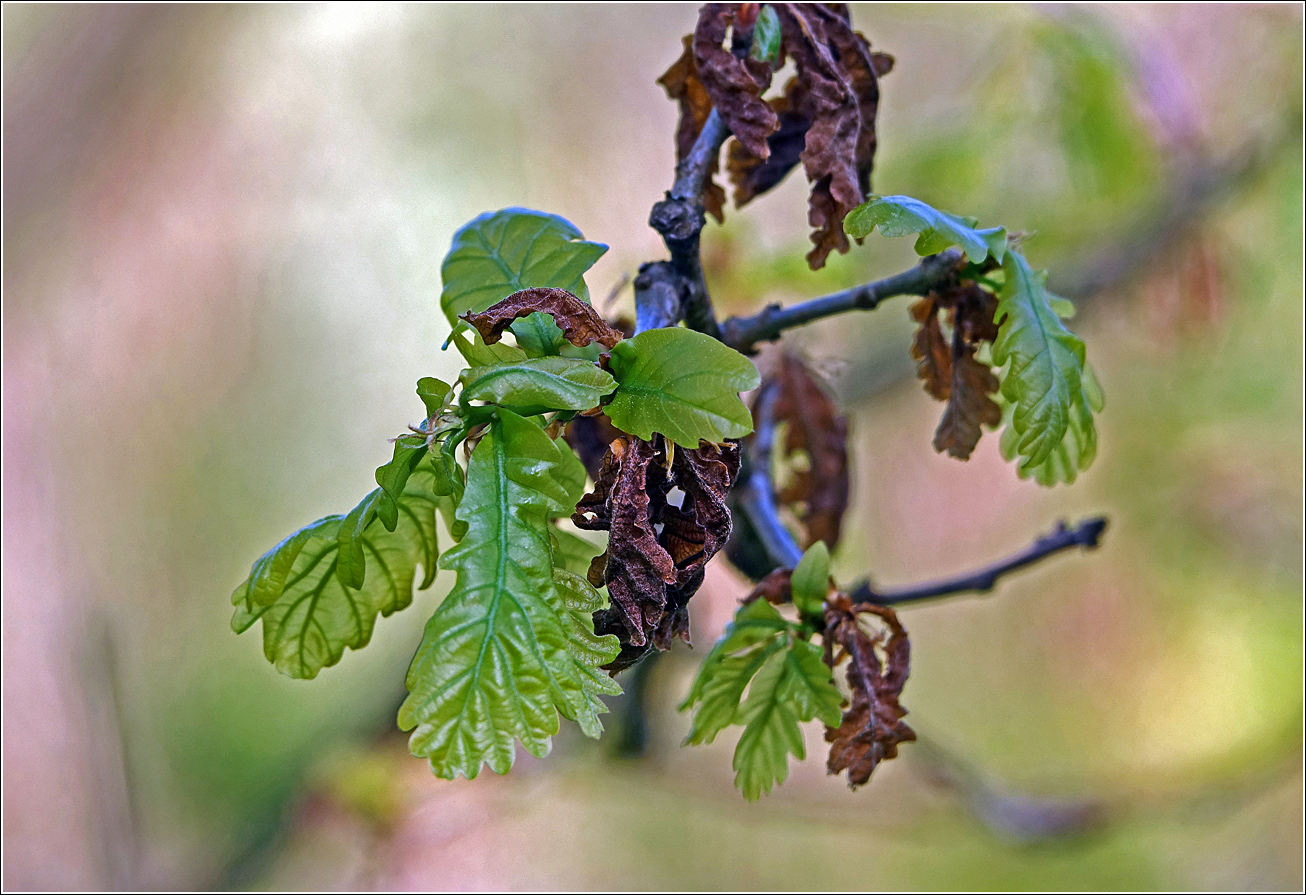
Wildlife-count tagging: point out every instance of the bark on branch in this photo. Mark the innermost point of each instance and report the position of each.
(743, 333)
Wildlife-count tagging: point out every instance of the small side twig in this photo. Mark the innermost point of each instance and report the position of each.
(1086, 534)
(743, 333)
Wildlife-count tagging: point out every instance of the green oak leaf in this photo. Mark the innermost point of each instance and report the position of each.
(1076, 450)
(433, 393)
(590, 651)
(538, 335)
(794, 685)
(811, 580)
(1043, 379)
(571, 472)
(502, 252)
(499, 658)
(478, 354)
(553, 383)
(309, 615)
(766, 36)
(571, 551)
(903, 216)
(682, 384)
(756, 633)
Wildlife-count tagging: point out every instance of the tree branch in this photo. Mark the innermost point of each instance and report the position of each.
(743, 333)
(757, 500)
(757, 493)
(1086, 534)
(669, 291)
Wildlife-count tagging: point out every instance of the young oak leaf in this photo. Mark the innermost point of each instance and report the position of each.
(810, 581)
(755, 633)
(502, 252)
(681, 384)
(872, 725)
(540, 383)
(903, 216)
(1043, 378)
(794, 685)
(309, 615)
(501, 656)
(1076, 450)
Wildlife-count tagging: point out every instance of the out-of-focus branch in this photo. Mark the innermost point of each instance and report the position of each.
(743, 333)
(756, 493)
(756, 497)
(1086, 534)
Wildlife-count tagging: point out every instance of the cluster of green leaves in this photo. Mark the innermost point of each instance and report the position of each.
(783, 672)
(1048, 389)
(513, 645)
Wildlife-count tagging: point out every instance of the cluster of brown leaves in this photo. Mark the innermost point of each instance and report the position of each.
(878, 665)
(657, 551)
(824, 117)
(951, 372)
(580, 323)
(817, 492)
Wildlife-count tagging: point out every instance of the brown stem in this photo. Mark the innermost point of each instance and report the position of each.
(743, 333)
(1086, 534)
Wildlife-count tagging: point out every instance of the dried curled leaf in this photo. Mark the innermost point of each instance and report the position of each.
(872, 724)
(817, 494)
(656, 551)
(733, 83)
(580, 323)
(825, 119)
(952, 372)
(682, 85)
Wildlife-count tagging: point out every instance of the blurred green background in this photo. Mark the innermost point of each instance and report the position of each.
(222, 236)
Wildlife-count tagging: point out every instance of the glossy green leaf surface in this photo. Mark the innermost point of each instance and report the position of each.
(501, 252)
(794, 685)
(754, 635)
(811, 579)
(309, 615)
(1043, 379)
(681, 384)
(501, 656)
(555, 383)
(938, 230)
(478, 354)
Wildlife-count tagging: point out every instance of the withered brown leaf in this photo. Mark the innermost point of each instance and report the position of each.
(872, 725)
(734, 83)
(683, 85)
(656, 551)
(969, 405)
(953, 373)
(832, 103)
(776, 588)
(818, 494)
(580, 323)
(930, 350)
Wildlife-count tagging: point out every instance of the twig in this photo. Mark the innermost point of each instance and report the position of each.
(757, 500)
(1086, 534)
(669, 291)
(743, 333)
